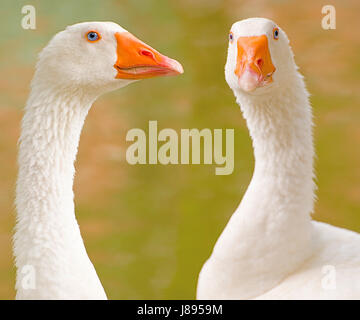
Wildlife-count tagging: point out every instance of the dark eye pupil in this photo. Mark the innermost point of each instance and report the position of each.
(276, 33)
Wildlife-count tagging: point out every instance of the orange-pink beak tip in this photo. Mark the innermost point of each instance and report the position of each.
(174, 66)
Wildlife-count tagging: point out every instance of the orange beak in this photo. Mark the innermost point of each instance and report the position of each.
(254, 67)
(136, 60)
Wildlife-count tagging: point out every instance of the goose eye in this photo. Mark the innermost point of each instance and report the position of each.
(93, 36)
(276, 33)
(231, 36)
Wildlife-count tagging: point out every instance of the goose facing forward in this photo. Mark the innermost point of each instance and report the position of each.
(270, 248)
(77, 66)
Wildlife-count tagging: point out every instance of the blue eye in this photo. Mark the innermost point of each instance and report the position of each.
(231, 36)
(276, 33)
(93, 36)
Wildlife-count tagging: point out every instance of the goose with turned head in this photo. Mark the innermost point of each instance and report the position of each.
(78, 65)
(271, 248)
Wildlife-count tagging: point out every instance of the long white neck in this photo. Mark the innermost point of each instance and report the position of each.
(51, 259)
(269, 235)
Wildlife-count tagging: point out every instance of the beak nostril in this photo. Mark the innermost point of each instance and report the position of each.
(146, 53)
(259, 62)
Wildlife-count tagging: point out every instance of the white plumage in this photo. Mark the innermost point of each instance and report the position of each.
(73, 70)
(270, 248)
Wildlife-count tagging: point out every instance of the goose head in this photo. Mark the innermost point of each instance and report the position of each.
(259, 57)
(100, 57)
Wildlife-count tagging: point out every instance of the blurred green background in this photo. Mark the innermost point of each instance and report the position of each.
(148, 229)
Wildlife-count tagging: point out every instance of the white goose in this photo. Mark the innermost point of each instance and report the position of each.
(270, 248)
(77, 66)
